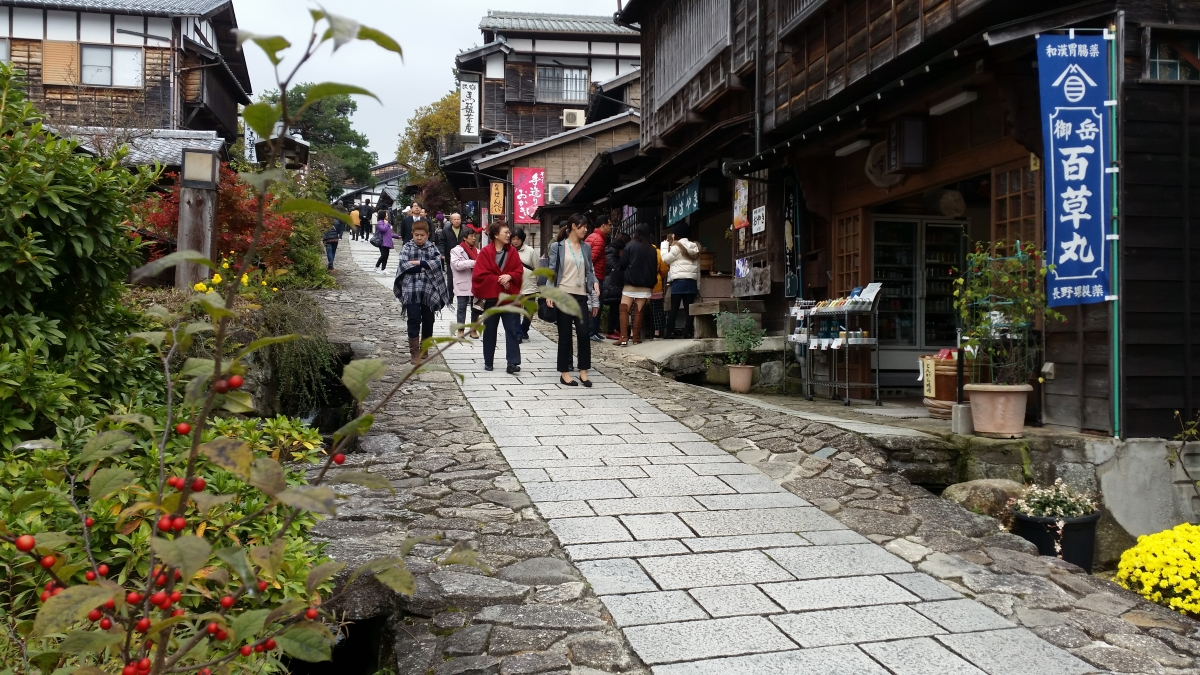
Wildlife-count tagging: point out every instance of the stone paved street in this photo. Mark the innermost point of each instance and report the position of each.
(726, 537)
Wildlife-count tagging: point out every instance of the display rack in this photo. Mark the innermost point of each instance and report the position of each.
(838, 329)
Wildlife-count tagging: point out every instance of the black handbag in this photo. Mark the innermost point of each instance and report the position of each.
(546, 312)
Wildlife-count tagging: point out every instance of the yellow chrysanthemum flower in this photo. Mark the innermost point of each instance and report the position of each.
(274, 289)
(245, 280)
(1162, 568)
(225, 265)
(217, 278)
(200, 287)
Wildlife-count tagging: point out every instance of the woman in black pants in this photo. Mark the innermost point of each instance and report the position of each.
(571, 262)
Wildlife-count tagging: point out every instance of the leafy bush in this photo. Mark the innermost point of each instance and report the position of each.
(742, 335)
(1055, 501)
(1165, 568)
(65, 254)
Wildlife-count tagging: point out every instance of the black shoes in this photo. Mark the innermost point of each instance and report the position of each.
(512, 370)
(488, 368)
(587, 383)
(563, 381)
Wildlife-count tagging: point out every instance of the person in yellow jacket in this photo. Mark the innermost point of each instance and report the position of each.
(656, 298)
(355, 219)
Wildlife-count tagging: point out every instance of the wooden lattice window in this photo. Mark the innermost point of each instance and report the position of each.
(1016, 204)
(847, 252)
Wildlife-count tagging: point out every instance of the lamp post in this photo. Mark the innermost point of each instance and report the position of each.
(200, 173)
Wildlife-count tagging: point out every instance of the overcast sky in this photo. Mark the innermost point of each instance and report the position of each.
(431, 32)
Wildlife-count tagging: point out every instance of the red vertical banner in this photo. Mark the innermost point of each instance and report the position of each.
(529, 190)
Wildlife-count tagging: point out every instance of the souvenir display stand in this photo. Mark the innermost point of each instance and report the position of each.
(839, 327)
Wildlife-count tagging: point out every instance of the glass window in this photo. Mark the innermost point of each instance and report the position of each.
(562, 85)
(96, 64)
(1166, 60)
(127, 66)
(4, 58)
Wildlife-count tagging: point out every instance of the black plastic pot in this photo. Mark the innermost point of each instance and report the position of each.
(1078, 536)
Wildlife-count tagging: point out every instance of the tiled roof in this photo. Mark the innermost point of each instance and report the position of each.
(160, 7)
(165, 146)
(500, 20)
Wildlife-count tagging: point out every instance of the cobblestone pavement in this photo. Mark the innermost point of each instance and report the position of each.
(725, 536)
(534, 613)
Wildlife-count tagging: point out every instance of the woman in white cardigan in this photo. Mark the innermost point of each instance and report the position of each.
(684, 277)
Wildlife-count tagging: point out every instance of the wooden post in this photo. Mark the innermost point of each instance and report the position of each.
(197, 232)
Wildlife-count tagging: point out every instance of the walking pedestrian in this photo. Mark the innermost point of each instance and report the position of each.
(574, 274)
(498, 271)
(364, 218)
(614, 282)
(683, 256)
(657, 315)
(447, 237)
(462, 263)
(330, 239)
(529, 282)
(421, 288)
(598, 242)
(640, 265)
(355, 223)
(383, 231)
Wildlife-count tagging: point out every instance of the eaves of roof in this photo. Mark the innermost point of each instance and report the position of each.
(146, 7)
(537, 22)
(558, 139)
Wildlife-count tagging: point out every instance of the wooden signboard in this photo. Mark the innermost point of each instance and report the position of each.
(496, 204)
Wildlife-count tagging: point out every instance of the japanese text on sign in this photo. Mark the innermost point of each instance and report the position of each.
(468, 107)
(1074, 87)
(683, 202)
(741, 204)
(496, 202)
(529, 192)
(758, 220)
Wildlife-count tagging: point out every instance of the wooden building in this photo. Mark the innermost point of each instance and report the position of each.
(814, 102)
(166, 65)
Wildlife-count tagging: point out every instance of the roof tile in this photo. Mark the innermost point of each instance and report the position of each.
(500, 20)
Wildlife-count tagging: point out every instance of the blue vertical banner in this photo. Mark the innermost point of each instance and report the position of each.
(1075, 127)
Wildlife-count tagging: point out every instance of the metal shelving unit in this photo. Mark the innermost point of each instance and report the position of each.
(844, 319)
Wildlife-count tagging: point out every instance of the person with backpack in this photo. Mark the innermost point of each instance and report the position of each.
(364, 218)
(574, 274)
(331, 238)
(498, 271)
(639, 263)
(421, 288)
(383, 239)
(683, 256)
(614, 281)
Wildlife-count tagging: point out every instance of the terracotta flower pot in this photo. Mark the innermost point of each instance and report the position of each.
(998, 410)
(740, 378)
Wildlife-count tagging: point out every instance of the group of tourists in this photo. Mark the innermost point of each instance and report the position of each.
(442, 263)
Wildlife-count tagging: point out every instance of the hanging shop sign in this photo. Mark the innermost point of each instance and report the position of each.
(758, 220)
(468, 108)
(529, 192)
(741, 204)
(496, 203)
(1074, 76)
(683, 202)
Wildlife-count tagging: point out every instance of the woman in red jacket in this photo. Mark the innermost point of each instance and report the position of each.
(498, 273)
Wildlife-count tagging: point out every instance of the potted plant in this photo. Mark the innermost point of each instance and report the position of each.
(1001, 299)
(1059, 521)
(742, 335)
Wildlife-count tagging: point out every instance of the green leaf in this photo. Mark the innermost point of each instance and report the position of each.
(322, 573)
(263, 342)
(398, 579)
(235, 557)
(152, 338)
(354, 427)
(315, 499)
(88, 641)
(342, 29)
(160, 626)
(238, 402)
(267, 475)
(18, 505)
(312, 205)
(213, 305)
(195, 390)
(463, 554)
(368, 480)
(261, 117)
(103, 445)
(40, 444)
(374, 566)
(261, 179)
(71, 606)
(358, 373)
(195, 367)
(86, 670)
(109, 480)
(154, 268)
(286, 609)
(206, 502)
(249, 624)
(327, 89)
(305, 642)
(380, 38)
(49, 542)
(197, 327)
(189, 553)
(269, 558)
(563, 301)
(144, 421)
(230, 454)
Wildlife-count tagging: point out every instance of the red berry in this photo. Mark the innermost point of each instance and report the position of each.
(311, 614)
(205, 671)
(102, 569)
(47, 561)
(133, 597)
(178, 575)
(262, 586)
(222, 635)
(227, 601)
(221, 386)
(89, 575)
(144, 664)
(161, 580)
(259, 647)
(25, 543)
(95, 615)
(129, 670)
(246, 650)
(176, 596)
(270, 644)
(183, 428)
(179, 612)
(89, 521)
(110, 604)
(106, 623)
(212, 628)
(179, 524)
(56, 591)
(173, 481)
(236, 381)
(164, 523)
(45, 596)
(143, 625)
(159, 598)
(339, 458)
(198, 485)
(50, 585)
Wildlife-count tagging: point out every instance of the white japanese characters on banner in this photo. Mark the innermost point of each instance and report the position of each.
(468, 108)
(1075, 127)
(529, 191)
